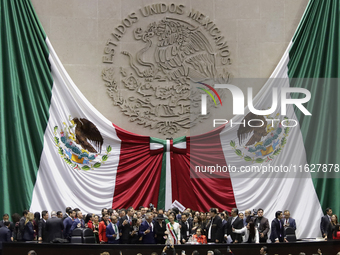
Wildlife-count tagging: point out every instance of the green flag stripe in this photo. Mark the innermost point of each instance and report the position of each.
(25, 93)
(180, 139)
(315, 54)
(161, 193)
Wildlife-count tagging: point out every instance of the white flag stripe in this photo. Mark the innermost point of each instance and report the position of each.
(181, 145)
(291, 191)
(59, 185)
(168, 183)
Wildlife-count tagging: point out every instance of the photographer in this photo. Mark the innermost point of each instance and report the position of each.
(170, 248)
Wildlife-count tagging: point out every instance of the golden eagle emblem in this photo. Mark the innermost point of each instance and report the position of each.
(80, 143)
(258, 129)
(86, 130)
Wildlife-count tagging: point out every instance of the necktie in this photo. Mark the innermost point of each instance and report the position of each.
(116, 231)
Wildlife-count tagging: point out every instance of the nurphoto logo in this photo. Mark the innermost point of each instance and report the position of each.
(238, 104)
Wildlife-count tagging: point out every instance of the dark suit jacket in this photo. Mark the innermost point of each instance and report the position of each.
(264, 225)
(42, 230)
(325, 226)
(109, 232)
(159, 232)
(28, 234)
(277, 230)
(21, 228)
(184, 229)
(291, 222)
(77, 223)
(67, 227)
(11, 226)
(65, 216)
(216, 229)
(149, 238)
(237, 224)
(5, 236)
(125, 230)
(54, 229)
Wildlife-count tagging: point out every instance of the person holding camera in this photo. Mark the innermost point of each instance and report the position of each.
(169, 248)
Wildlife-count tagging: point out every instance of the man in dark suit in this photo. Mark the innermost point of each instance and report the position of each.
(147, 229)
(186, 227)
(112, 231)
(11, 225)
(277, 233)
(224, 218)
(54, 227)
(247, 217)
(78, 222)
(233, 222)
(66, 213)
(68, 224)
(214, 229)
(42, 235)
(5, 234)
(288, 222)
(125, 225)
(262, 225)
(60, 215)
(325, 225)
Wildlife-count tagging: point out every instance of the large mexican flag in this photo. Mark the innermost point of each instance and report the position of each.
(57, 150)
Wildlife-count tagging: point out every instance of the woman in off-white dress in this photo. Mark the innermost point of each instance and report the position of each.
(173, 230)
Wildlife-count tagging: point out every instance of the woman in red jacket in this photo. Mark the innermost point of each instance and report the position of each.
(102, 228)
(336, 232)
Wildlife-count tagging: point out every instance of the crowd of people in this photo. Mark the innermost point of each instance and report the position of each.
(152, 226)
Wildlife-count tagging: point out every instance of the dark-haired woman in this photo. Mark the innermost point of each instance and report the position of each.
(196, 224)
(336, 232)
(102, 228)
(160, 228)
(36, 224)
(88, 220)
(135, 237)
(251, 235)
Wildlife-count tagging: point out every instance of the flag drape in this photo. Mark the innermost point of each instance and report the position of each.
(45, 166)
